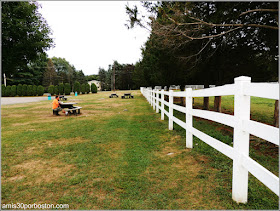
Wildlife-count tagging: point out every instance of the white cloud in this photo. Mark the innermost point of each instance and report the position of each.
(91, 34)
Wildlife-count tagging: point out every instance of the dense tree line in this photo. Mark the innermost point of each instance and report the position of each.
(123, 77)
(207, 42)
(59, 70)
(25, 39)
(92, 77)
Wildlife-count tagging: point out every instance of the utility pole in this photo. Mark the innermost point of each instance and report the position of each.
(114, 78)
(5, 82)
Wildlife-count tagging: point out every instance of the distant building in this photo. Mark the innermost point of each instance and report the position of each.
(97, 83)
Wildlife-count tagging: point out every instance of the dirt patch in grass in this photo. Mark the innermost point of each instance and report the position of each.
(42, 119)
(115, 105)
(170, 148)
(50, 143)
(103, 197)
(64, 141)
(97, 113)
(14, 115)
(227, 131)
(15, 178)
(45, 106)
(189, 176)
(20, 124)
(42, 171)
(113, 149)
(33, 150)
(264, 147)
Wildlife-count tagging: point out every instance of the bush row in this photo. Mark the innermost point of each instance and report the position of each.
(22, 90)
(33, 90)
(66, 88)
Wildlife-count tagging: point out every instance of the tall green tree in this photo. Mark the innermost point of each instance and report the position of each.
(80, 77)
(92, 77)
(123, 76)
(102, 77)
(208, 42)
(25, 36)
(65, 71)
(34, 72)
(50, 76)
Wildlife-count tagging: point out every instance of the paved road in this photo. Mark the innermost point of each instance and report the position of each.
(17, 100)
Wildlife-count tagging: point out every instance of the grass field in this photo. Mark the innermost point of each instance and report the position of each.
(118, 154)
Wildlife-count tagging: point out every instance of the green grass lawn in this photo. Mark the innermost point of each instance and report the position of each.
(118, 154)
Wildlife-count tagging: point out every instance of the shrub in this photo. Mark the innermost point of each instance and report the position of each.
(83, 88)
(29, 91)
(34, 90)
(24, 90)
(13, 90)
(87, 88)
(77, 87)
(19, 90)
(51, 89)
(61, 89)
(40, 90)
(67, 89)
(55, 90)
(3, 90)
(8, 91)
(93, 88)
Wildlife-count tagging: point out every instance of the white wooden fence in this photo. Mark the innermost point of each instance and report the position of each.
(242, 89)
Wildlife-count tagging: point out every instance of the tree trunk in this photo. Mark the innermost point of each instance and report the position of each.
(206, 99)
(217, 104)
(206, 103)
(276, 114)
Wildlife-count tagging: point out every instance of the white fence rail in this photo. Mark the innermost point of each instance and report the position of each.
(242, 89)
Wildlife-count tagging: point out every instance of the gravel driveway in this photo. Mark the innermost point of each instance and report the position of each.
(17, 100)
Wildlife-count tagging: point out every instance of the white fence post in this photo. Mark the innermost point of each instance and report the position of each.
(240, 140)
(242, 89)
(154, 99)
(151, 94)
(189, 118)
(162, 105)
(170, 122)
(157, 103)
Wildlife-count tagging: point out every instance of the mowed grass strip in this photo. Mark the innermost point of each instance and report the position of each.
(117, 155)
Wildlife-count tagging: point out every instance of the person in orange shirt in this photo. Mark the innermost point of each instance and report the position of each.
(56, 106)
